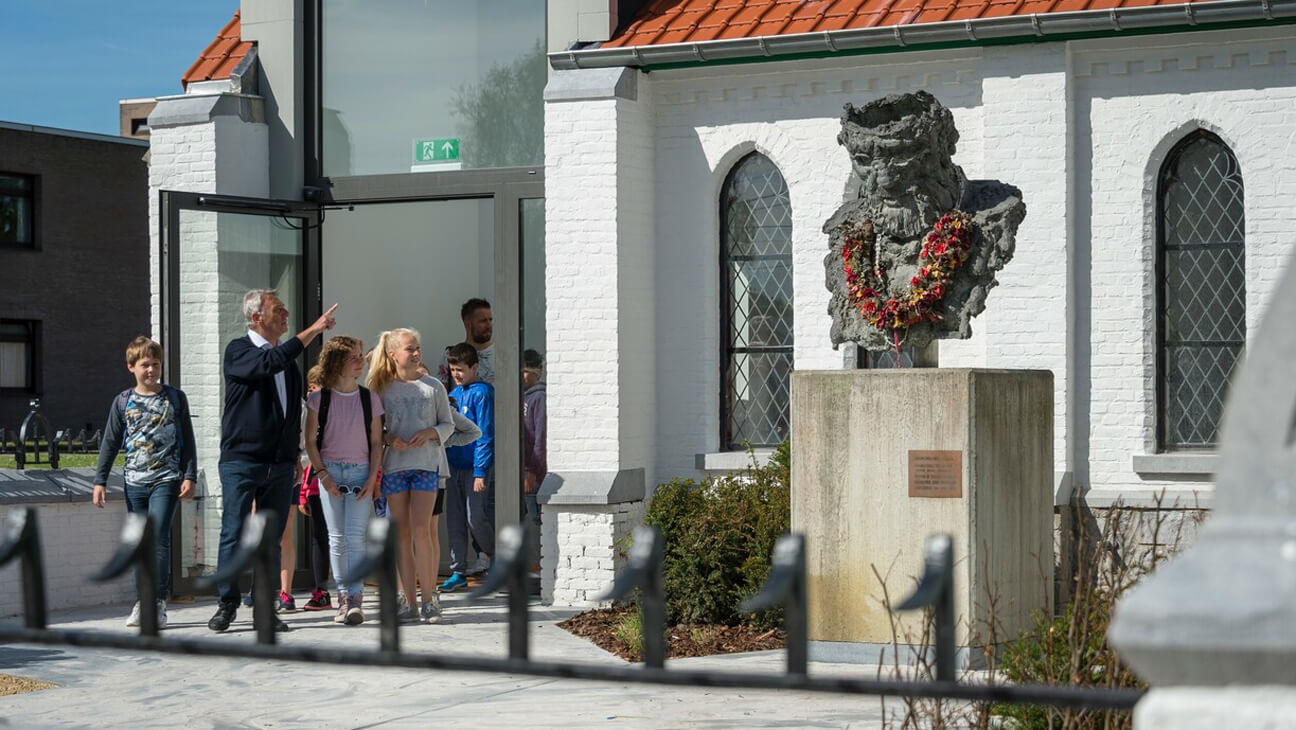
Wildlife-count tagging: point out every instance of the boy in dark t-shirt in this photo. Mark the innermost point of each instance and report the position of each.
(151, 422)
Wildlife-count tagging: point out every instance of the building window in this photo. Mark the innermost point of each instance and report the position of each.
(1201, 288)
(17, 203)
(756, 303)
(19, 355)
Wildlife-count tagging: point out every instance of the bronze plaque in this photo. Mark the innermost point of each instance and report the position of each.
(935, 473)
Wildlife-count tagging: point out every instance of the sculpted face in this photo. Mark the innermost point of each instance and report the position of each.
(899, 143)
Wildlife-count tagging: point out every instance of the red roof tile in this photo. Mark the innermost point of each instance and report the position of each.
(678, 21)
(221, 56)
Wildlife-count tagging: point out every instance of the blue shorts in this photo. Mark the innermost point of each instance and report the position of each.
(410, 480)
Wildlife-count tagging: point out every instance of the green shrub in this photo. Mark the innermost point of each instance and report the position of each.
(719, 536)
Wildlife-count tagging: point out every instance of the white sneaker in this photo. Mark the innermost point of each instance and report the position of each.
(162, 619)
(481, 566)
(431, 610)
(134, 619)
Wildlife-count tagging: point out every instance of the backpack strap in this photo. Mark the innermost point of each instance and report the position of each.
(367, 408)
(323, 416)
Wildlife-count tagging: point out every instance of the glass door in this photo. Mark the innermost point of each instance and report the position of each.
(214, 250)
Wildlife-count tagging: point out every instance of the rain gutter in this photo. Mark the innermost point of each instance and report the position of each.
(1185, 17)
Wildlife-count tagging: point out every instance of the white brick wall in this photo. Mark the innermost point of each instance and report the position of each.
(1081, 127)
(1133, 105)
(583, 548)
(76, 540)
(228, 156)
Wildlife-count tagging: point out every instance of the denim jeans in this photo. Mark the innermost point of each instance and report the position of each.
(270, 485)
(347, 517)
(159, 502)
(466, 514)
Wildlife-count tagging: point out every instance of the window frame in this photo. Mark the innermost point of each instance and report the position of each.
(1165, 176)
(727, 347)
(32, 195)
(33, 341)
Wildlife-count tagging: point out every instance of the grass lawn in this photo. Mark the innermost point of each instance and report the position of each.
(66, 461)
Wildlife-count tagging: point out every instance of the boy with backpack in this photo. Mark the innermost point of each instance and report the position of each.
(151, 422)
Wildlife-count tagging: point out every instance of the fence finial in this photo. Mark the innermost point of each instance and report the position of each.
(644, 572)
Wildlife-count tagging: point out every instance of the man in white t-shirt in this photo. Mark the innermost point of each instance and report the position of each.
(478, 330)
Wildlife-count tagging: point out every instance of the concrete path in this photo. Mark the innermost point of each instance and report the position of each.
(101, 688)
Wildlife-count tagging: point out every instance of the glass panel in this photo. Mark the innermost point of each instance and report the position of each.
(886, 359)
(15, 209)
(222, 255)
(1203, 289)
(760, 303)
(409, 265)
(403, 78)
(758, 214)
(1196, 381)
(1203, 197)
(532, 227)
(14, 365)
(759, 408)
(756, 253)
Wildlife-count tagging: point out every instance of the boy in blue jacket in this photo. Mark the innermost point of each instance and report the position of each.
(472, 467)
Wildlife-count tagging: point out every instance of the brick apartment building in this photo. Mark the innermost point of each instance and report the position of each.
(73, 270)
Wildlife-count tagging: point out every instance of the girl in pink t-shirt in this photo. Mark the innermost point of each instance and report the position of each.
(345, 454)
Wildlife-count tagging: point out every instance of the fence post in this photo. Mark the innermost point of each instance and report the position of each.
(380, 558)
(936, 589)
(254, 552)
(644, 572)
(22, 540)
(786, 585)
(138, 549)
(510, 572)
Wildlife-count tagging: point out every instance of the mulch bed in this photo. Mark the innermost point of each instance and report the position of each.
(686, 640)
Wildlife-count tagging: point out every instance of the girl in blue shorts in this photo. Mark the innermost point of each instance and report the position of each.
(419, 421)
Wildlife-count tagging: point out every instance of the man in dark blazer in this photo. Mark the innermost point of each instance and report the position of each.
(260, 430)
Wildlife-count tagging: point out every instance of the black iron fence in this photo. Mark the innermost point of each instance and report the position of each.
(786, 587)
(35, 443)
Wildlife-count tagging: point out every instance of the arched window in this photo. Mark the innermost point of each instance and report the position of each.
(1201, 288)
(756, 304)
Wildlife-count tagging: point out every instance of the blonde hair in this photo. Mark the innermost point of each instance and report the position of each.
(140, 348)
(333, 358)
(382, 368)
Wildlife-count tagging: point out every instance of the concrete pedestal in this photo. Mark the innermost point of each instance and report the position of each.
(978, 443)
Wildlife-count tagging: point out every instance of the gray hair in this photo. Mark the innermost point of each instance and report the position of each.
(253, 302)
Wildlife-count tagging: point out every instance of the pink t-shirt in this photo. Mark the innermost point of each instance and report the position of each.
(344, 433)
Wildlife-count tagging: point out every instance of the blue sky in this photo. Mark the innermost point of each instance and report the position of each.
(65, 63)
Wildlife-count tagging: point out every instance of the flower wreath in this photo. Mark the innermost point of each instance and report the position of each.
(945, 248)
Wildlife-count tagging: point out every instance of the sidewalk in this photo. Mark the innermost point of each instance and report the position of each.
(99, 688)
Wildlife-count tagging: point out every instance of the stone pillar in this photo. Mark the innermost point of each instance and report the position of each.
(205, 143)
(882, 459)
(600, 322)
(1224, 611)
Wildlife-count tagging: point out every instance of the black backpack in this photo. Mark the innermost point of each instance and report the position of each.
(365, 405)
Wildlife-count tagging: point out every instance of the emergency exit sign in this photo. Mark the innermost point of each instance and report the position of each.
(436, 150)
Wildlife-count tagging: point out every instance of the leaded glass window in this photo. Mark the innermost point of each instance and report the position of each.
(756, 284)
(1201, 288)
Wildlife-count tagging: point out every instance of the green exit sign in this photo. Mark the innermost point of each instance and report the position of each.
(436, 150)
